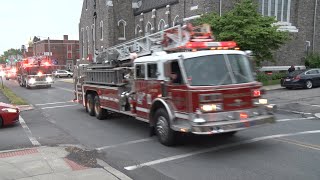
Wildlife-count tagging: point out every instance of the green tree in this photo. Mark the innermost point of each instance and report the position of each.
(249, 29)
(8, 53)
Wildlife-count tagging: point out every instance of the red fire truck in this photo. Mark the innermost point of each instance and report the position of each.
(34, 72)
(177, 80)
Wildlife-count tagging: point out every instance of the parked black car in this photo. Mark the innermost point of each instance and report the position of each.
(308, 79)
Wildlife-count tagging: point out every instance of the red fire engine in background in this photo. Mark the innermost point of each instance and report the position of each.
(177, 80)
(34, 72)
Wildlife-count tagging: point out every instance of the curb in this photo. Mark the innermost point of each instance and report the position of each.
(303, 114)
(25, 107)
(113, 171)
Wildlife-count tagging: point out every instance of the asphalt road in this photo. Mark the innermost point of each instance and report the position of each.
(289, 149)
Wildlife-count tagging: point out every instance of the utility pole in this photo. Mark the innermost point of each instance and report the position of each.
(49, 47)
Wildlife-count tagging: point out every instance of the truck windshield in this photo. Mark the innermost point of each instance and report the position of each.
(213, 70)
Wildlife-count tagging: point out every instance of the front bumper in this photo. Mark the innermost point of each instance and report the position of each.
(215, 123)
(40, 83)
(229, 126)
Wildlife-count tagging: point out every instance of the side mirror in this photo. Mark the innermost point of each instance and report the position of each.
(164, 90)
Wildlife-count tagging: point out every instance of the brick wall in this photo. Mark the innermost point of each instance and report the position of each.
(301, 16)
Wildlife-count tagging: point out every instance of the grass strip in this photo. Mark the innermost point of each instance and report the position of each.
(271, 82)
(13, 98)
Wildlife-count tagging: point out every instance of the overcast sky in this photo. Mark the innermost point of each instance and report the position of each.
(22, 19)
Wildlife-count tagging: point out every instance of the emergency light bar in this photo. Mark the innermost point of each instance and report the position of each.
(212, 45)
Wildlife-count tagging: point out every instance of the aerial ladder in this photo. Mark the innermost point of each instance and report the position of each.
(112, 63)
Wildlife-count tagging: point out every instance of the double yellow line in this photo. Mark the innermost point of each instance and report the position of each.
(298, 143)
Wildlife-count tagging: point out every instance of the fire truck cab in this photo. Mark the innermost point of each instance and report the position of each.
(207, 89)
(33, 72)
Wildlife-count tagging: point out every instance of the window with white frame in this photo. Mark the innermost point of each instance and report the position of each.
(161, 25)
(280, 9)
(175, 20)
(82, 36)
(138, 31)
(101, 30)
(148, 28)
(122, 29)
(93, 34)
(87, 28)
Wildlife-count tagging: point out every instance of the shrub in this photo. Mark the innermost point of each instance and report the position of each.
(262, 77)
(313, 60)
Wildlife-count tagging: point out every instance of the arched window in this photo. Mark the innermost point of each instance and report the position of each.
(93, 33)
(101, 30)
(122, 29)
(82, 47)
(87, 28)
(149, 28)
(88, 32)
(175, 20)
(161, 25)
(138, 31)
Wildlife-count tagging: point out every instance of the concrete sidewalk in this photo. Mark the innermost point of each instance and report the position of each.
(56, 163)
(272, 87)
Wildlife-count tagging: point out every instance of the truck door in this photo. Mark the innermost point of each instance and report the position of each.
(177, 89)
(141, 90)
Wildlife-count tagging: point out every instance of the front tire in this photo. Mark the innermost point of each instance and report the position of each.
(308, 84)
(164, 132)
(90, 104)
(100, 113)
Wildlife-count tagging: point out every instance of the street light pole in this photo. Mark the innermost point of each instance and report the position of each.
(49, 47)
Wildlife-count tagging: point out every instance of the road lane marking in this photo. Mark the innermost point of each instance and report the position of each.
(26, 129)
(299, 143)
(295, 119)
(53, 103)
(295, 112)
(315, 105)
(64, 89)
(53, 107)
(249, 141)
(125, 143)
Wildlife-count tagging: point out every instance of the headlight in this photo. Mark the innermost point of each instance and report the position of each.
(260, 101)
(10, 110)
(211, 107)
(49, 79)
(32, 80)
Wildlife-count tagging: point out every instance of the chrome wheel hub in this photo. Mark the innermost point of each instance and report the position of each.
(309, 84)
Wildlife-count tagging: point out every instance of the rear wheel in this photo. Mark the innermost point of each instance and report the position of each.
(308, 84)
(58, 76)
(100, 112)
(90, 104)
(163, 130)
